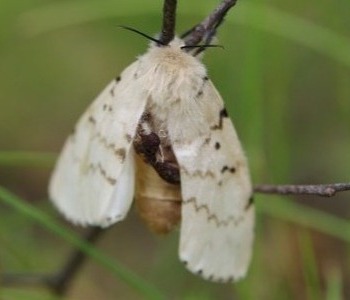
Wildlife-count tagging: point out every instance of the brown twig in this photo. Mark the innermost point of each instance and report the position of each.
(169, 21)
(206, 30)
(25, 279)
(59, 282)
(325, 190)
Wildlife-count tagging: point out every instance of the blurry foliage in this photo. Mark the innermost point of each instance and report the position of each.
(284, 76)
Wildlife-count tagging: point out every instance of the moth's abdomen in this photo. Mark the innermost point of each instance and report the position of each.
(157, 201)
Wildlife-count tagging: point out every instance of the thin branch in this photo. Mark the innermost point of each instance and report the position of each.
(325, 190)
(25, 279)
(169, 21)
(58, 283)
(61, 281)
(206, 30)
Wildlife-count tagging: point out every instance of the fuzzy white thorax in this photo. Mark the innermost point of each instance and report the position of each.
(170, 73)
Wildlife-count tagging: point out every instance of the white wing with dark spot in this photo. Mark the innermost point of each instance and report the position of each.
(93, 181)
(217, 214)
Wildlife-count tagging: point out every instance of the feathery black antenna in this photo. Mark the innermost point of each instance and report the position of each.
(143, 34)
(201, 46)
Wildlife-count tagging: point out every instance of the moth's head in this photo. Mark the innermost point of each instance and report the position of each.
(173, 54)
(171, 49)
(171, 73)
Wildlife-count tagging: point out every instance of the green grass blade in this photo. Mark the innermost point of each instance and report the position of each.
(319, 38)
(296, 29)
(334, 289)
(27, 159)
(147, 290)
(310, 269)
(68, 13)
(287, 210)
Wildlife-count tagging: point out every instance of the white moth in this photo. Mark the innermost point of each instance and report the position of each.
(163, 119)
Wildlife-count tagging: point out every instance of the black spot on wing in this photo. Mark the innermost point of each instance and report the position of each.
(217, 146)
(117, 79)
(250, 202)
(200, 93)
(228, 169)
(222, 114)
(106, 107)
(92, 120)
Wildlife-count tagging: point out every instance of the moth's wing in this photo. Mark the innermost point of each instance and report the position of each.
(93, 181)
(217, 214)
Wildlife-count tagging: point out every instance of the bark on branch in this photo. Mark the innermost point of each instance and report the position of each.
(169, 21)
(206, 30)
(325, 190)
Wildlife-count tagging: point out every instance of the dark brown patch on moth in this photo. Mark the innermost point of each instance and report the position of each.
(168, 171)
(220, 183)
(121, 153)
(223, 114)
(156, 150)
(228, 169)
(112, 91)
(200, 272)
(118, 78)
(92, 120)
(205, 78)
(147, 145)
(217, 146)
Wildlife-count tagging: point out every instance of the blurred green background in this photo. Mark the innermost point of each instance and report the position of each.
(285, 78)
